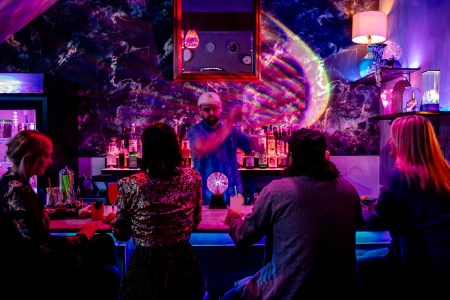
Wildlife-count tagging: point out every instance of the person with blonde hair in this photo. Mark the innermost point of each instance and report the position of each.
(414, 204)
(35, 263)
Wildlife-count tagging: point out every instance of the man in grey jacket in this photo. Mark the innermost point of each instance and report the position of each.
(309, 220)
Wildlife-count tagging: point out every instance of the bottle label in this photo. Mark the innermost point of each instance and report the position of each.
(133, 162)
(271, 146)
(250, 162)
(282, 160)
(262, 160)
(272, 161)
(280, 146)
(110, 160)
(132, 145)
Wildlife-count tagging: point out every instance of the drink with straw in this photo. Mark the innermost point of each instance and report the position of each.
(236, 201)
(66, 179)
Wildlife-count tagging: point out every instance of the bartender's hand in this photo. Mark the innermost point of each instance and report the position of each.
(235, 115)
(231, 216)
(89, 230)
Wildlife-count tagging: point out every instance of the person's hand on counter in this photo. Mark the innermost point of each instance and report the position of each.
(89, 230)
(231, 216)
(109, 219)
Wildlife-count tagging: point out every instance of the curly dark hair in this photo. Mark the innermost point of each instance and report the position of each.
(306, 156)
(161, 154)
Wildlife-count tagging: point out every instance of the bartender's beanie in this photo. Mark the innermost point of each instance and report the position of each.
(209, 98)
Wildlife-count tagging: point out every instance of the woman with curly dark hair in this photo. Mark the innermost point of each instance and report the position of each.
(159, 208)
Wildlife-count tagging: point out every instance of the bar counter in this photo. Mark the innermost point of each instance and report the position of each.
(212, 222)
(222, 262)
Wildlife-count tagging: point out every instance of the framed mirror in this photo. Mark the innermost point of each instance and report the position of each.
(227, 45)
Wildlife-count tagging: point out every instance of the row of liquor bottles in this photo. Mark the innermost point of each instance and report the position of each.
(273, 149)
(273, 154)
(127, 154)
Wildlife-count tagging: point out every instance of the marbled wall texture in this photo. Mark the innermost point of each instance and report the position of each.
(120, 54)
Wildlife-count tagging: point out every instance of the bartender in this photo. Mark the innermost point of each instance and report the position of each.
(214, 144)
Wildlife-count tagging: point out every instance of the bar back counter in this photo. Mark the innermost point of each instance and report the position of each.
(222, 262)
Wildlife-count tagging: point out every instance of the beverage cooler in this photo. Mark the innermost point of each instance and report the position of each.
(22, 106)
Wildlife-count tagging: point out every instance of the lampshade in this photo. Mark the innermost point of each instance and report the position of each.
(369, 27)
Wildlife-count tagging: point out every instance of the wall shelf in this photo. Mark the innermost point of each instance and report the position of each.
(387, 74)
(432, 115)
(427, 114)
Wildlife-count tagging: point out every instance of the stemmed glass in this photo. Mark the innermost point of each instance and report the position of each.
(113, 190)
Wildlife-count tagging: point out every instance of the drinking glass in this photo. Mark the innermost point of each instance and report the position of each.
(113, 190)
(236, 203)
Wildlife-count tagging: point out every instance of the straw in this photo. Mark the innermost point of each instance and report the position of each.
(235, 191)
(51, 189)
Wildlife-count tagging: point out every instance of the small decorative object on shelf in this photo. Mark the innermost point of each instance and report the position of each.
(430, 88)
(377, 52)
(366, 63)
(386, 100)
(411, 94)
(391, 55)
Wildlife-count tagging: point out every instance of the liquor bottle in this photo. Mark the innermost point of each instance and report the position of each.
(272, 160)
(271, 143)
(133, 146)
(186, 152)
(263, 158)
(111, 155)
(123, 136)
(79, 200)
(249, 160)
(133, 159)
(282, 160)
(132, 139)
(279, 141)
(240, 157)
(123, 155)
(185, 146)
(262, 139)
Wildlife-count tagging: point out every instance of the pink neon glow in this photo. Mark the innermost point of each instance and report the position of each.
(386, 99)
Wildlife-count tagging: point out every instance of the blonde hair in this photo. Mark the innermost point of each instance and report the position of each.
(26, 143)
(418, 154)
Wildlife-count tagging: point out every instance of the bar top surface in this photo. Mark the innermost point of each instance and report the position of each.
(212, 222)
